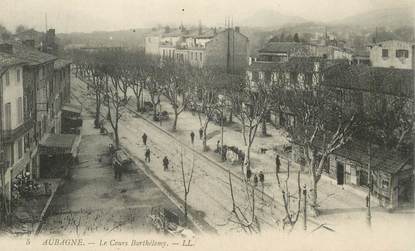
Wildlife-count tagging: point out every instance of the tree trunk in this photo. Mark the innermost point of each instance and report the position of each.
(231, 116)
(176, 116)
(97, 112)
(313, 202)
(137, 97)
(264, 127)
(185, 209)
(204, 140)
(116, 137)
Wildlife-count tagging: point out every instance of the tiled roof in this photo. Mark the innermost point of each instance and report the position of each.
(356, 150)
(390, 81)
(294, 64)
(59, 63)
(282, 46)
(8, 60)
(31, 55)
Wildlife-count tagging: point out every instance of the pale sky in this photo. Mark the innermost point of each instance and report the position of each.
(89, 15)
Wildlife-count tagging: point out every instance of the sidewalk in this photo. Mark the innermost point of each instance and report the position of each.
(30, 212)
(339, 205)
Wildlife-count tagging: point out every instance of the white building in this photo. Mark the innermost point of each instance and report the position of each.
(14, 126)
(391, 54)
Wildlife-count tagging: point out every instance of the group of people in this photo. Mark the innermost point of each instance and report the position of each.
(147, 154)
(192, 135)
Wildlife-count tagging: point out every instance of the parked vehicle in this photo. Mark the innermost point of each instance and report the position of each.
(121, 158)
(164, 115)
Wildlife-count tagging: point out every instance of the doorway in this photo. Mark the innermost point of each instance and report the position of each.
(340, 173)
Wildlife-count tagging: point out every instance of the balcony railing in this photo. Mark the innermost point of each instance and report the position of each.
(12, 134)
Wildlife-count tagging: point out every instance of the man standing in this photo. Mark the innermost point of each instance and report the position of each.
(117, 170)
(248, 174)
(200, 133)
(165, 163)
(147, 155)
(277, 164)
(144, 139)
(255, 180)
(192, 137)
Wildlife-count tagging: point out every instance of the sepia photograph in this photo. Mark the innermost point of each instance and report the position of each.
(207, 125)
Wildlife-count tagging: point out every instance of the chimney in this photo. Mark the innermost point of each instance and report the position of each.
(6, 48)
(237, 29)
(51, 32)
(29, 43)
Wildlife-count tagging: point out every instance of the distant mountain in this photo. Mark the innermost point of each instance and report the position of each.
(270, 18)
(392, 18)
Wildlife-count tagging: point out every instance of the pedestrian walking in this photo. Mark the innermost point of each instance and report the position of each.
(248, 174)
(192, 136)
(261, 177)
(166, 163)
(217, 145)
(147, 155)
(277, 164)
(255, 180)
(201, 133)
(144, 137)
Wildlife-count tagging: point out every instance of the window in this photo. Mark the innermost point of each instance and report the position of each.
(7, 76)
(18, 75)
(8, 116)
(20, 148)
(385, 53)
(385, 184)
(402, 53)
(19, 110)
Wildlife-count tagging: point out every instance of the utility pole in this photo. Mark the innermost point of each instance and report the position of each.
(305, 207)
(369, 215)
(221, 130)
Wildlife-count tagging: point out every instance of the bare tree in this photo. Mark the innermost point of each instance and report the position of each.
(115, 103)
(244, 217)
(154, 84)
(186, 183)
(253, 100)
(176, 87)
(321, 124)
(206, 89)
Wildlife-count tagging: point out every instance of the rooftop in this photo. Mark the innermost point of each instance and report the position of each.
(31, 55)
(59, 63)
(282, 47)
(390, 81)
(9, 60)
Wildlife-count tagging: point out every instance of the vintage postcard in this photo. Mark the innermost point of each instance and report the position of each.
(207, 125)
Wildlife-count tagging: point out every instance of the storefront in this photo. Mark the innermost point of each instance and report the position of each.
(391, 180)
(57, 153)
(71, 119)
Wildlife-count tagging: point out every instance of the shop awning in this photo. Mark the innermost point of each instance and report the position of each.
(71, 122)
(55, 144)
(72, 108)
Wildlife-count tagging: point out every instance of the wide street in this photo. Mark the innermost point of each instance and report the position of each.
(210, 197)
(92, 201)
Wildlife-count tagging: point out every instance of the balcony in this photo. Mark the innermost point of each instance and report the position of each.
(12, 134)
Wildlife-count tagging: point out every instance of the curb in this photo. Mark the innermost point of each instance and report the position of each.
(38, 225)
(156, 181)
(128, 107)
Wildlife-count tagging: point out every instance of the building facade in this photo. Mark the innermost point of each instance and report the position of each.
(34, 90)
(357, 85)
(391, 54)
(226, 49)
